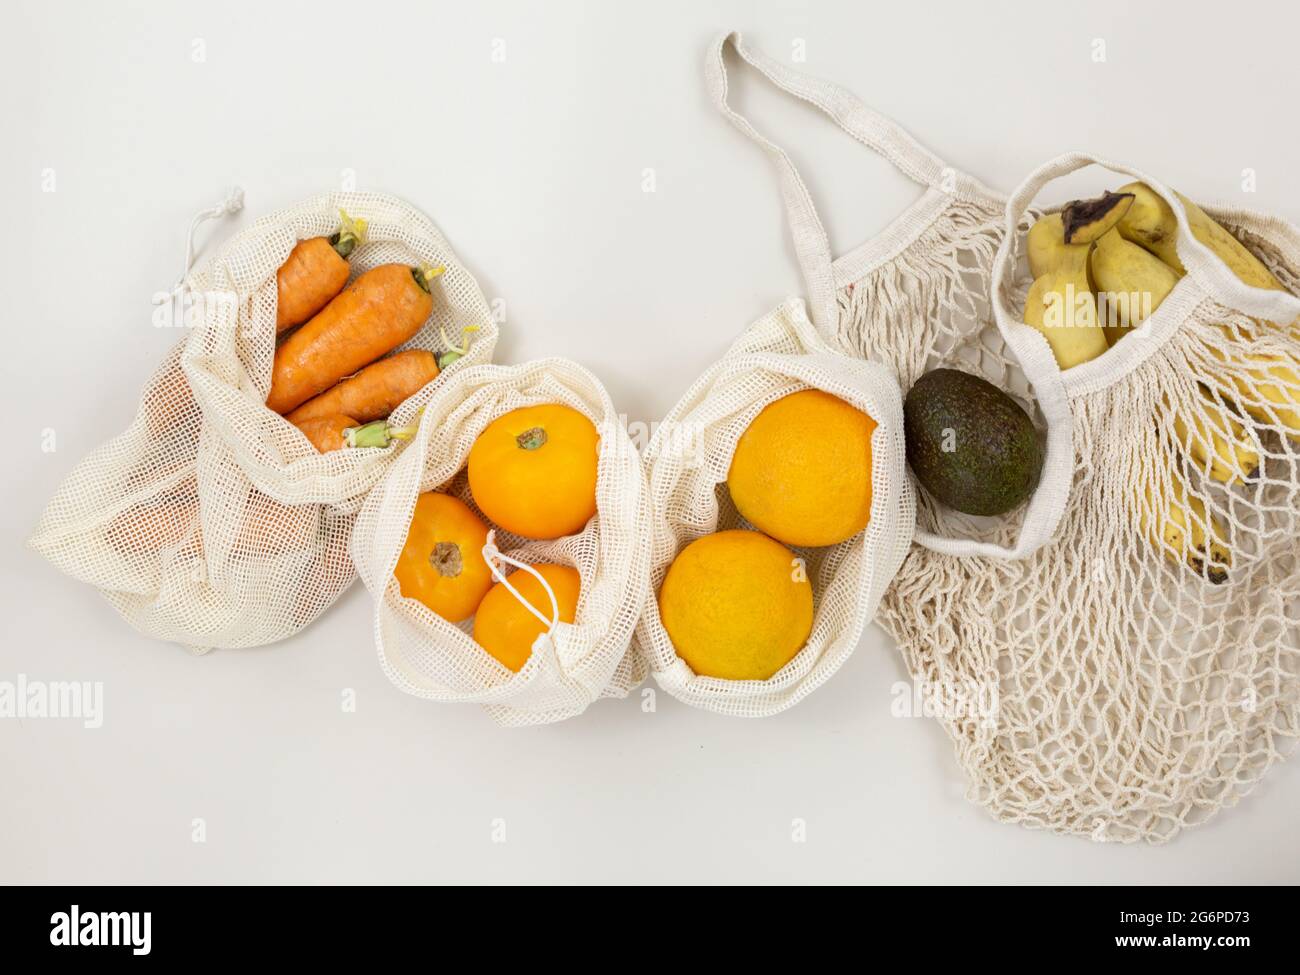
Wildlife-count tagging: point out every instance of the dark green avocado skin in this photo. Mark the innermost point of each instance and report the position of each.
(995, 454)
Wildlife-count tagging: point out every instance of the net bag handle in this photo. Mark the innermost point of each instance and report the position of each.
(877, 132)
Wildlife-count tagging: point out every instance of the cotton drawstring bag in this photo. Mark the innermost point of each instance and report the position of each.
(928, 260)
(687, 462)
(1137, 694)
(572, 664)
(212, 521)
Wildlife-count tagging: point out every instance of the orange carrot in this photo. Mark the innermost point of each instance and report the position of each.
(376, 390)
(315, 271)
(326, 432)
(372, 316)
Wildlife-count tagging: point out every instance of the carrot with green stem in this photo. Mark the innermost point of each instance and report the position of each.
(373, 315)
(337, 431)
(314, 272)
(455, 352)
(327, 433)
(376, 390)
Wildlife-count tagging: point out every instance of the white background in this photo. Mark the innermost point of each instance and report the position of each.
(534, 167)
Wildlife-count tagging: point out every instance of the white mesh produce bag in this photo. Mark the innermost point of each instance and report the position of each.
(572, 664)
(687, 463)
(212, 521)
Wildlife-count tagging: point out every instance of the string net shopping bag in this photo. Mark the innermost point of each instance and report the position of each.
(212, 521)
(572, 664)
(1131, 693)
(688, 459)
(1145, 663)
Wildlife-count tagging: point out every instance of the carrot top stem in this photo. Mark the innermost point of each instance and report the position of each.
(376, 434)
(425, 273)
(455, 352)
(351, 232)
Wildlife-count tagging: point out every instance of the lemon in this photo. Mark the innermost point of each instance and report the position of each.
(737, 605)
(801, 472)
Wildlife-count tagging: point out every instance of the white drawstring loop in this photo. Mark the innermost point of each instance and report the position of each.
(491, 554)
(233, 203)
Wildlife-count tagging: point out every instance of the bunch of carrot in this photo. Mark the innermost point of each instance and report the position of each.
(329, 377)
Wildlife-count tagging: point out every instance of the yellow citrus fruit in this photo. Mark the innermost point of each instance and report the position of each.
(504, 627)
(802, 470)
(737, 605)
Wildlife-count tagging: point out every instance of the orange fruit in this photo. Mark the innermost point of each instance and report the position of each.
(533, 471)
(442, 562)
(504, 627)
(737, 605)
(801, 471)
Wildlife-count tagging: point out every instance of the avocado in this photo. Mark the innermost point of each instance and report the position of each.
(970, 444)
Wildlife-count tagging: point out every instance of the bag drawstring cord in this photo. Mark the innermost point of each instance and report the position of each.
(492, 554)
(233, 203)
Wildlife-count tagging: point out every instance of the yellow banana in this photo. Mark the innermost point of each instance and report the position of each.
(1086, 221)
(1133, 281)
(1061, 306)
(1177, 523)
(1217, 443)
(1262, 392)
(1058, 238)
(1150, 222)
(1046, 245)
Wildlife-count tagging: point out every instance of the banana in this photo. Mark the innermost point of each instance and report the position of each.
(1258, 391)
(1133, 281)
(1054, 240)
(1178, 524)
(1150, 222)
(1061, 306)
(1086, 221)
(1217, 443)
(1046, 245)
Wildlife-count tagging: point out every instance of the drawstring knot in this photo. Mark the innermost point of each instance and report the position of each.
(492, 555)
(233, 202)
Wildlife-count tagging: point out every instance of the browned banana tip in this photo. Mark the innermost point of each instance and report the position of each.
(1078, 214)
(1216, 572)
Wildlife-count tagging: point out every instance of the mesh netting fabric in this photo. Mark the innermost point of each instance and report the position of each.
(1134, 695)
(211, 521)
(577, 663)
(687, 461)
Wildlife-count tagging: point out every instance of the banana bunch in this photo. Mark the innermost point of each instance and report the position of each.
(1269, 390)
(1101, 267)
(1178, 524)
(1061, 303)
